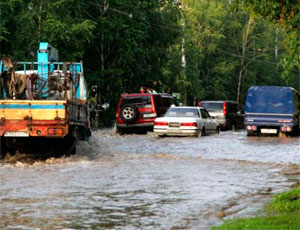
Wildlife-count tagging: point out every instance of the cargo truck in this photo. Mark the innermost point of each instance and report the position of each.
(43, 105)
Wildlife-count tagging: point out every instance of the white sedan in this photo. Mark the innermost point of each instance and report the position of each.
(185, 121)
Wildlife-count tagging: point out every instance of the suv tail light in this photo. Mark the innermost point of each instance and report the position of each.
(199, 104)
(190, 124)
(224, 108)
(161, 123)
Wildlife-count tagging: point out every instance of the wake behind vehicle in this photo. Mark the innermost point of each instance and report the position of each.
(185, 121)
(271, 110)
(43, 105)
(138, 111)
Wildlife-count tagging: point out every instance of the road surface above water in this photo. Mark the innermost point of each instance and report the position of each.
(144, 182)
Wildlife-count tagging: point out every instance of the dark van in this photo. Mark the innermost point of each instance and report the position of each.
(272, 110)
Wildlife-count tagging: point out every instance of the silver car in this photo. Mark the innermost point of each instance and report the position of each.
(229, 114)
(185, 121)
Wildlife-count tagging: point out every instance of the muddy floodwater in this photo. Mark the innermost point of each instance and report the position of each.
(144, 182)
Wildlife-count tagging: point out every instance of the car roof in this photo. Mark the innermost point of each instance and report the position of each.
(218, 101)
(186, 107)
(144, 94)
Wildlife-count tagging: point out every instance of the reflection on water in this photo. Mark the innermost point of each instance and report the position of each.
(144, 182)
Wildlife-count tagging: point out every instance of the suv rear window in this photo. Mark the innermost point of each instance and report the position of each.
(212, 105)
(142, 100)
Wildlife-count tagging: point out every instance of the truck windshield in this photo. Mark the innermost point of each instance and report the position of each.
(270, 101)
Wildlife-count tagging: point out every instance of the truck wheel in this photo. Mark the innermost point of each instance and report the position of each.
(70, 146)
(233, 127)
(128, 113)
(296, 131)
(282, 134)
(250, 133)
(2, 147)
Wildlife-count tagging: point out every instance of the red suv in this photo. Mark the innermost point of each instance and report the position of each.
(138, 111)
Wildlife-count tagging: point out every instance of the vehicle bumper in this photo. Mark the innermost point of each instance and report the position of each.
(222, 123)
(268, 127)
(34, 128)
(142, 125)
(176, 132)
(259, 123)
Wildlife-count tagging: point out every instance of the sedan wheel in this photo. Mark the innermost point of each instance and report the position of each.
(233, 128)
(202, 133)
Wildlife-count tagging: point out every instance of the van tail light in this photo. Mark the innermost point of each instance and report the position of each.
(286, 129)
(224, 108)
(117, 115)
(189, 124)
(199, 104)
(158, 123)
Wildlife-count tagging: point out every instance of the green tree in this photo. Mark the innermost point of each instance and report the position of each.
(287, 14)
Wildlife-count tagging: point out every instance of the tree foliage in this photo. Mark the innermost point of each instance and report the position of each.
(287, 14)
(208, 49)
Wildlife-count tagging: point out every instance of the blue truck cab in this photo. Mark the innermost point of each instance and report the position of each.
(272, 110)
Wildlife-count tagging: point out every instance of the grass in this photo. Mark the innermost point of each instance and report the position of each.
(282, 213)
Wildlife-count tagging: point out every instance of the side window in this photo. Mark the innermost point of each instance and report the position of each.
(239, 109)
(173, 101)
(297, 100)
(158, 101)
(207, 113)
(204, 114)
(234, 108)
(166, 102)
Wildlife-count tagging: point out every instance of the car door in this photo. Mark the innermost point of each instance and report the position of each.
(207, 121)
(159, 107)
(166, 104)
(199, 120)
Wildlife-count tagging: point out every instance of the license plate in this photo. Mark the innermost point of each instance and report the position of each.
(175, 130)
(174, 124)
(269, 131)
(16, 134)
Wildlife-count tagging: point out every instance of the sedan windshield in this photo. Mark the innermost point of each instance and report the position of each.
(182, 112)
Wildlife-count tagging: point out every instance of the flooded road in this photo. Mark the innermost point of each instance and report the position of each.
(144, 182)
